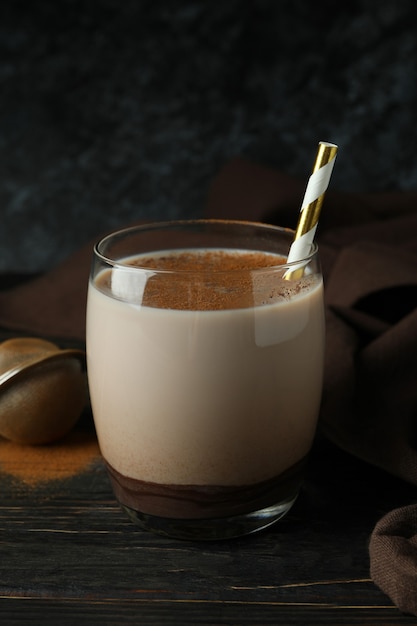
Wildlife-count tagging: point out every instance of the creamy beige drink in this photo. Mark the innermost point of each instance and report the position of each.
(205, 380)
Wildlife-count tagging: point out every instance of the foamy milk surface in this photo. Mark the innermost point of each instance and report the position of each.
(223, 397)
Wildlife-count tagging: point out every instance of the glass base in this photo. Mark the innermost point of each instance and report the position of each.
(212, 529)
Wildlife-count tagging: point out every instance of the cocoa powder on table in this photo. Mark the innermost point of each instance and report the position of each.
(36, 465)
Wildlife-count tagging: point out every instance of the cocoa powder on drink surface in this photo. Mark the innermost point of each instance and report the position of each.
(206, 280)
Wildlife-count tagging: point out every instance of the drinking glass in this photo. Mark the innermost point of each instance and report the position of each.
(205, 364)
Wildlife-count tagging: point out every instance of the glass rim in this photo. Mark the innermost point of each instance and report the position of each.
(172, 224)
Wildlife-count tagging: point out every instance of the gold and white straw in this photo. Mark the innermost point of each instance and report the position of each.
(312, 202)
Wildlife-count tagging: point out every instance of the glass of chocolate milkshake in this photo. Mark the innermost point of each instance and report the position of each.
(205, 362)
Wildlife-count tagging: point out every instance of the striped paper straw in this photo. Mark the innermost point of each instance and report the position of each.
(313, 199)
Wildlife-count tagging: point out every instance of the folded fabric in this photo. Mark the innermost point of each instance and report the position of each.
(370, 394)
(54, 303)
(393, 550)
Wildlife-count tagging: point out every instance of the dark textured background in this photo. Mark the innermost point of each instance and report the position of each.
(114, 110)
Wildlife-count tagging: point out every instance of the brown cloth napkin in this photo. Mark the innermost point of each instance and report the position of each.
(393, 549)
(370, 393)
(53, 304)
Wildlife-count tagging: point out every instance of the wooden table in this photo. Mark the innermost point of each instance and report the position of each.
(69, 555)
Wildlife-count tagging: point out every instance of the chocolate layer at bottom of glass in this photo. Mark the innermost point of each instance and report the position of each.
(207, 512)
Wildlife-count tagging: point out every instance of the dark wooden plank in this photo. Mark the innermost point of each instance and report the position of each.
(111, 613)
(65, 546)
